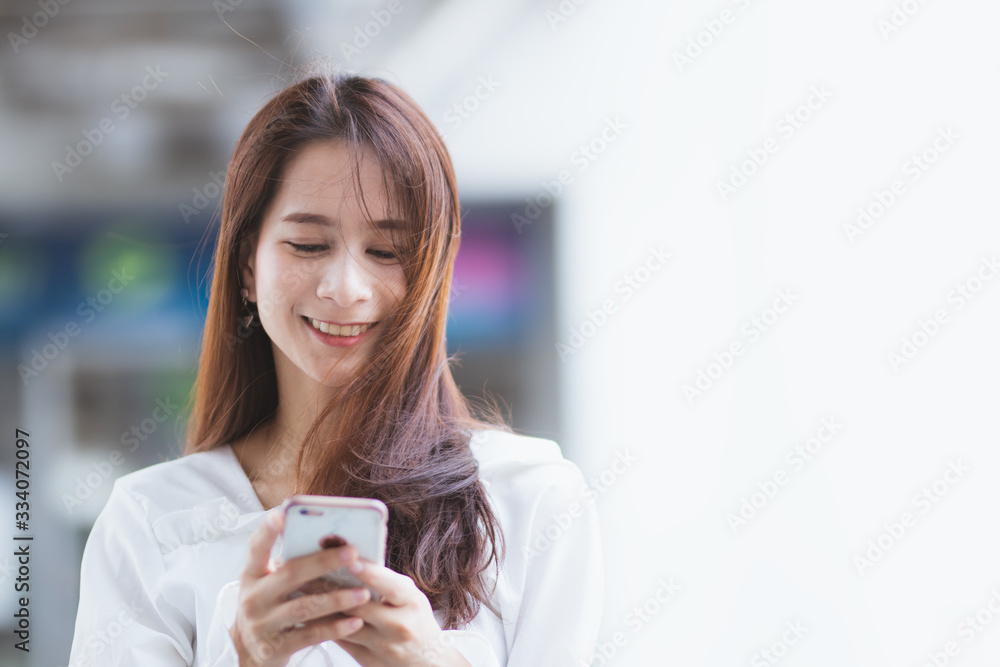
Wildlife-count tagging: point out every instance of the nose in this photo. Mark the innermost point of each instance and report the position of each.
(345, 280)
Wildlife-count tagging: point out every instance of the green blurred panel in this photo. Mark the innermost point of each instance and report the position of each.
(134, 262)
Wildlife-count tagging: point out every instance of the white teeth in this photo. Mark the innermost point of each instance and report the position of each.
(337, 330)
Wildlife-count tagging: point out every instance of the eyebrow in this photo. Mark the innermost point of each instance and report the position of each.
(319, 219)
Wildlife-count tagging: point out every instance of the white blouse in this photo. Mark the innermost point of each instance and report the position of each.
(159, 580)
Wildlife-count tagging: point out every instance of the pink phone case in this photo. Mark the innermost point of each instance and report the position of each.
(361, 522)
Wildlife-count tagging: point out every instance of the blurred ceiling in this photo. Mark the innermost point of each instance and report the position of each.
(159, 91)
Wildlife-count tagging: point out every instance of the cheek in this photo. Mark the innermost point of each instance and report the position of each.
(281, 281)
(395, 286)
(294, 277)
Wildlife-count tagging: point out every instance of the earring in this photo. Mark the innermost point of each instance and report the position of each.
(247, 320)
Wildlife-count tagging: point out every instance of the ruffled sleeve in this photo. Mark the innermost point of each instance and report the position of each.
(219, 648)
(123, 618)
(221, 652)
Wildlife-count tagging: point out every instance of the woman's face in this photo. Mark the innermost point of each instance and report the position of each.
(318, 264)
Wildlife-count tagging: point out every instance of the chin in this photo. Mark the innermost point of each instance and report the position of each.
(333, 381)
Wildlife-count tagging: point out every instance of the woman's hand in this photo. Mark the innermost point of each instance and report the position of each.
(401, 628)
(264, 632)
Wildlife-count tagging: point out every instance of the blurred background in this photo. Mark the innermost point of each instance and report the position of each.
(130, 112)
(705, 247)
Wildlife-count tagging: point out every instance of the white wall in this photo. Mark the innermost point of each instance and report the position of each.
(826, 357)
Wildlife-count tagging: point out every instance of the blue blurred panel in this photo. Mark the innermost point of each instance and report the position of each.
(94, 270)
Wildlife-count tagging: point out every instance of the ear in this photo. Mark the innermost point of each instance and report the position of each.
(247, 263)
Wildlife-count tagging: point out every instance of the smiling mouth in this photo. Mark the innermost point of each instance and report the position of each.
(344, 331)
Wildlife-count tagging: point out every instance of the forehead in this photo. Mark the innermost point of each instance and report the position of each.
(329, 178)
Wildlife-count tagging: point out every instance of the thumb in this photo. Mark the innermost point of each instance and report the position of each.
(261, 541)
(277, 521)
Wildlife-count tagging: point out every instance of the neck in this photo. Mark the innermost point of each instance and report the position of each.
(300, 402)
(270, 451)
(282, 438)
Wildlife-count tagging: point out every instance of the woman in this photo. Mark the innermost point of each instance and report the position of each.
(324, 370)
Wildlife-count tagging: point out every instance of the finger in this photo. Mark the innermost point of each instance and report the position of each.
(297, 571)
(308, 607)
(358, 649)
(316, 586)
(317, 631)
(261, 542)
(395, 588)
(375, 615)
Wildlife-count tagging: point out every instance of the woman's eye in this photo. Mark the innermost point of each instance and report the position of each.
(383, 254)
(307, 247)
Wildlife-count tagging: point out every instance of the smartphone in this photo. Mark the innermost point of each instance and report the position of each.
(361, 522)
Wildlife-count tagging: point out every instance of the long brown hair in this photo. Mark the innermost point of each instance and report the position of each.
(403, 428)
